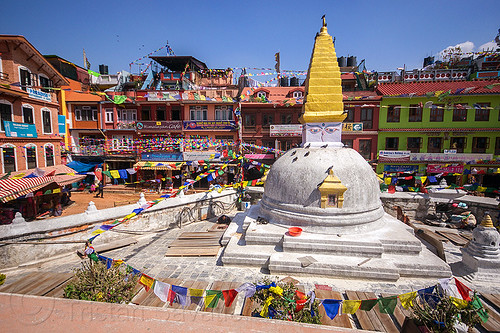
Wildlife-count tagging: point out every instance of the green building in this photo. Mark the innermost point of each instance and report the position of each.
(441, 127)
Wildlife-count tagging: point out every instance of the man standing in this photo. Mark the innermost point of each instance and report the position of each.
(100, 189)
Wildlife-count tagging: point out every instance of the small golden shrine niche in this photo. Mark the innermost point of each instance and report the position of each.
(332, 192)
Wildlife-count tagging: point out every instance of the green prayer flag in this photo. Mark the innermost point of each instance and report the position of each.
(212, 298)
(387, 304)
(119, 99)
(481, 312)
(368, 304)
(93, 256)
(93, 73)
(6, 176)
(489, 86)
(48, 192)
(107, 173)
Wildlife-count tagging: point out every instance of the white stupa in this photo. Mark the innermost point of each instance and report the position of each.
(333, 195)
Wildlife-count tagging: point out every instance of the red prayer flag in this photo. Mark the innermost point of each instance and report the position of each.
(391, 189)
(171, 296)
(463, 290)
(229, 296)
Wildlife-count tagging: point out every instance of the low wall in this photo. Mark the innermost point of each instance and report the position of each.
(169, 213)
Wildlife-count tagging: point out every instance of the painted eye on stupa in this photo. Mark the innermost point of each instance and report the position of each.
(330, 130)
(314, 130)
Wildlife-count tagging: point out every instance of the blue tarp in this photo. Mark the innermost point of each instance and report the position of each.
(81, 167)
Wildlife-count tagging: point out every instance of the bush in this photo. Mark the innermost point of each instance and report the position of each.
(284, 305)
(94, 282)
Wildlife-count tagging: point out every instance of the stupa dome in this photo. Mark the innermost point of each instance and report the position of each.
(291, 194)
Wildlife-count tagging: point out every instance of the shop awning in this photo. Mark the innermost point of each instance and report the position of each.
(63, 175)
(11, 189)
(147, 165)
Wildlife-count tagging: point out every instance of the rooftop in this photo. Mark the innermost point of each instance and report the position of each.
(456, 88)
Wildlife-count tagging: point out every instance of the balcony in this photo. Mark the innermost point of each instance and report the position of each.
(125, 124)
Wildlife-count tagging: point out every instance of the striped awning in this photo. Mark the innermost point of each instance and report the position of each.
(11, 189)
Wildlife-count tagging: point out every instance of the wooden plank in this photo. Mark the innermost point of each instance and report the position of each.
(58, 292)
(194, 243)
(361, 315)
(219, 285)
(340, 320)
(56, 279)
(372, 315)
(11, 285)
(202, 234)
(40, 282)
(466, 235)
(493, 323)
(432, 239)
(198, 285)
(218, 227)
(248, 307)
(384, 318)
(493, 299)
(151, 299)
(400, 313)
(208, 251)
(454, 238)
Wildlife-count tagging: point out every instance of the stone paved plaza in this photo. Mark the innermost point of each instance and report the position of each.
(148, 255)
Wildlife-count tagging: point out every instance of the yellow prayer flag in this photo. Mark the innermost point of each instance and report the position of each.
(265, 308)
(423, 179)
(56, 190)
(18, 176)
(350, 306)
(387, 181)
(481, 189)
(146, 281)
(277, 290)
(459, 303)
(97, 232)
(407, 299)
(209, 299)
(196, 292)
(115, 174)
(129, 216)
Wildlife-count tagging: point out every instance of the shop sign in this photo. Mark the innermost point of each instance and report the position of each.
(437, 157)
(38, 94)
(439, 168)
(285, 130)
(200, 156)
(209, 125)
(352, 127)
(393, 156)
(158, 96)
(259, 156)
(19, 130)
(400, 168)
(61, 124)
(159, 125)
(450, 151)
(161, 156)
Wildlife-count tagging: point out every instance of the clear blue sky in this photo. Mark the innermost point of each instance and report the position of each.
(387, 33)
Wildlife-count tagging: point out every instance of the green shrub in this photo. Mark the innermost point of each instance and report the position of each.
(2, 279)
(94, 282)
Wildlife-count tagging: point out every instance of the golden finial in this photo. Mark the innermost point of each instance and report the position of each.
(487, 222)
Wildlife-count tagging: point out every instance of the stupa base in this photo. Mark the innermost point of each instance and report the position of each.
(386, 253)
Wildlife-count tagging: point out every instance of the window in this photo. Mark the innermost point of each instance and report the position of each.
(286, 118)
(49, 155)
(127, 116)
(47, 122)
(365, 148)
(459, 113)
(28, 114)
(86, 113)
(267, 119)
(347, 143)
(121, 142)
(249, 120)
(198, 112)
(367, 118)
(482, 111)
(480, 144)
(261, 94)
(437, 112)
(223, 112)
(458, 143)
(414, 144)
(297, 94)
(350, 115)
(176, 113)
(332, 200)
(45, 83)
(161, 113)
(393, 112)
(434, 145)
(391, 143)
(25, 78)
(8, 158)
(269, 144)
(146, 113)
(5, 114)
(109, 115)
(497, 146)
(31, 156)
(415, 113)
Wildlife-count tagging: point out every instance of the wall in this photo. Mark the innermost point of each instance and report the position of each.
(167, 214)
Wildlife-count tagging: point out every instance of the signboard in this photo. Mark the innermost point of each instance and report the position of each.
(19, 130)
(450, 151)
(174, 125)
(160, 156)
(160, 96)
(200, 156)
(38, 94)
(352, 127)
(437, 157)
(61, 123)
(400, 168)
(439, 168)
(393, 156)
(285, 130)
(209, 125)
(260, 156)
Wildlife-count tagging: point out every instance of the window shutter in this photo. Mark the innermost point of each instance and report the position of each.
(487, 143)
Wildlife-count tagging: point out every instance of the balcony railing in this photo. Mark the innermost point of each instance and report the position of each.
(124, 124)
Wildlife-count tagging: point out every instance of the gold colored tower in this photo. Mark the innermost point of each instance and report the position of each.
(323, 100)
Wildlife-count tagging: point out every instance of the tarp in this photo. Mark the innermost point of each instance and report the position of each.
(81, 167)
(11, 189)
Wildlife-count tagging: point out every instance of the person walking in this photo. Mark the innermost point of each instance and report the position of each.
(100, 189)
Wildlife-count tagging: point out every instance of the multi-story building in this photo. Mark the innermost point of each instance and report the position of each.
(29, 108)
(435, 127)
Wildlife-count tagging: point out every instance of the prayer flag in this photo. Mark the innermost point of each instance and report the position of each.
(368, 304)
(93, 73)
(407, 299)
(212, 298)
(248, 288)
(171, 296)
(476, 304)
(115, 174)
(229, 296)
(180, 295)
(265, 309)
(463, 290)
(459, 303)
(351, 306)
(146, 281)
(332, 307)
(196, 296)
(387, 304)
(161, 290)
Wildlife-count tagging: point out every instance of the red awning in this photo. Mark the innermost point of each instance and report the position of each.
(11, 189)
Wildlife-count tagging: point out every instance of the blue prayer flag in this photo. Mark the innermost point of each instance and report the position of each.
(332, 307)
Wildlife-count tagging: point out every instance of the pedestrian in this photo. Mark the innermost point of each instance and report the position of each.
(100, 189)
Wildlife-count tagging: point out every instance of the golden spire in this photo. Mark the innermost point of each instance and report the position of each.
(487, 222)
(323, 99)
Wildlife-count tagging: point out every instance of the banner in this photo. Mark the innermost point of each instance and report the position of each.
(393, 156)
(438, 157)
(209, 125)
(159, 96)
(285, 130)
(38, 94)
(61, 123)
(19, 130)
(161, 156)
(174, 125)
(400, 168)
(352, 127)
(439, 168)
